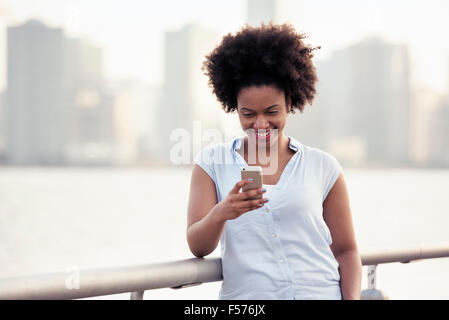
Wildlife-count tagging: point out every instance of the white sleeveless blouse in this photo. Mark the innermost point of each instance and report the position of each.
(281, 250)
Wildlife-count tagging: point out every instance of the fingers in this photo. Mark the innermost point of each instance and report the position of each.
(240, 184)
(249, 205)
(253, 193)
(240, 207)
(242, 202)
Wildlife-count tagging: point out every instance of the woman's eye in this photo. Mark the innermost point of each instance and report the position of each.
(247, 114)
(272, 112)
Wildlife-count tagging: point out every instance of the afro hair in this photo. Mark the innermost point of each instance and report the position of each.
(266, 55)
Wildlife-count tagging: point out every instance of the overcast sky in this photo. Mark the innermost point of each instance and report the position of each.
(131, 31)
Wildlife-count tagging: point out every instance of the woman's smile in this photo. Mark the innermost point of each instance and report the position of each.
(263, 134)
(262, 113)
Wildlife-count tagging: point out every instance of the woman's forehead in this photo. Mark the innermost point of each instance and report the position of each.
(260, 92)
(260, 97)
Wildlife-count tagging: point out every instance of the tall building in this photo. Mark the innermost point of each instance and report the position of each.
(366, 92)
(36, 111)
(312, 126)
(186, 97)
(438, 135)
(425, 105)
(57, 111)
(91, 129)
(144, 99)
(2, 125)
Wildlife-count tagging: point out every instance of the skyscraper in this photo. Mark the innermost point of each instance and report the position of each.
(367, 95)
(2, 125)
(91, 131)
(313, 125)
(186, 96)
(438, 135)
(424, 108)
(36, 112)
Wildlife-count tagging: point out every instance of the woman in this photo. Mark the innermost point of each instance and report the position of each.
(298, 242)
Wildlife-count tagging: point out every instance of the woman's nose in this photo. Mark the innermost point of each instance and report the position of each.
(260, 122)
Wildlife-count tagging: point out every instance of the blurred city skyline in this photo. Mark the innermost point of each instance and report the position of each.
(111, 23)
(128, 80)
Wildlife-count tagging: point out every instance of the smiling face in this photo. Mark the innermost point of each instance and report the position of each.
(262, 109)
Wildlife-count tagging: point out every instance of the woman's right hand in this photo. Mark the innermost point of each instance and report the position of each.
(237, 203)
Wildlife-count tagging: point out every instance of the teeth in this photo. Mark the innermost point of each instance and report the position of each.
(262, 134)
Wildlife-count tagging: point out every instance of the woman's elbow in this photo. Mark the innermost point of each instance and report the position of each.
(196, 250)
(198, 253)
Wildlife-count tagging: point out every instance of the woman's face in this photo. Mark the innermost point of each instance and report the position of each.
(262, 112)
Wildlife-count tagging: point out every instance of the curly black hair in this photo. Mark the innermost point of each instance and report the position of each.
(266, 55)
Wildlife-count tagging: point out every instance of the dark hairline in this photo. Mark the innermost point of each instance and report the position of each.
(274, 105)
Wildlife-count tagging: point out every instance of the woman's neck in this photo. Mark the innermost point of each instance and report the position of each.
(273, 151)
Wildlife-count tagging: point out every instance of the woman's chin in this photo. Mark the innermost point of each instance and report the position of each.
(262, 141)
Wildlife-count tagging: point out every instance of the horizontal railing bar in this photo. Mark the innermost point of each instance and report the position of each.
(107, 281)
(176, 274)
(405, 255)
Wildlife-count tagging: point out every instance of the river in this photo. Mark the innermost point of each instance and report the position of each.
(54, 219)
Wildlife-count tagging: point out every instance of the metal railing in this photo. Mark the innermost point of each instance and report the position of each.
(175, 275)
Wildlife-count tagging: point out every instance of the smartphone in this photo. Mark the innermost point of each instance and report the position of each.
(253, 172)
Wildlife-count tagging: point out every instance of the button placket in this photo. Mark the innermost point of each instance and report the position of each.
(278, 252)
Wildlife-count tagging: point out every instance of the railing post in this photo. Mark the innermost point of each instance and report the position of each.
(137, 295)
(372, 277)
(372, 293)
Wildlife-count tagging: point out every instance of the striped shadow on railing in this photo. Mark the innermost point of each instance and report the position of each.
(177, 274)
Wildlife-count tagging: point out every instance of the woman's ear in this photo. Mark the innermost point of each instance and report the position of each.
(288, 104)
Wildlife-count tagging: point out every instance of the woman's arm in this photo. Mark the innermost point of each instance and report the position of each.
(337, 214)
(206, 218)
(204, 228)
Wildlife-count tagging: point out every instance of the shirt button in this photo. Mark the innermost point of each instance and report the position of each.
(281, 261)
(274, 235)
(267, 210)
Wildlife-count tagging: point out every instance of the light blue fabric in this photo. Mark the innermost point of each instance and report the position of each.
(279, 251)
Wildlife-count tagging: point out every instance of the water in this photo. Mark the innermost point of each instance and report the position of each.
(52, 219)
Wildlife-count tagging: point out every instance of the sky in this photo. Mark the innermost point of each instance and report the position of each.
(132, 31)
